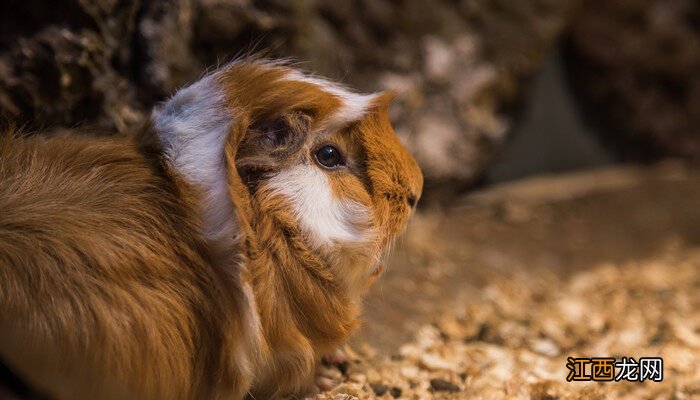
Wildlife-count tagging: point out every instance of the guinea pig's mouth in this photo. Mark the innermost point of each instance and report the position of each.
(377, 270)
(379, 265)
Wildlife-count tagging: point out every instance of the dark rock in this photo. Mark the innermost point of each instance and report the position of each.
(162, 46)
(379, 388)
(67, 68)
(440, 385)
(457, 66)
(635, 64)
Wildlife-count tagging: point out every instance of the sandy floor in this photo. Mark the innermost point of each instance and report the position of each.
(486, 298)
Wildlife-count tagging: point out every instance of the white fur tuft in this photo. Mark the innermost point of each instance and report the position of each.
(354, 105)
(193, 127)
(325, 219)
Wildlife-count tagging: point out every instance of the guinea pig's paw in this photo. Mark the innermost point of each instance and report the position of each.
(337, 359)
(326, 377)
(329, 372)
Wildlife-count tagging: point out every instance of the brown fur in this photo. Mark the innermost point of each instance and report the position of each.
(104, 277)
(109, 290)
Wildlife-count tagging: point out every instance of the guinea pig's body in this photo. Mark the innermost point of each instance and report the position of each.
(221, 251)
(106, 286)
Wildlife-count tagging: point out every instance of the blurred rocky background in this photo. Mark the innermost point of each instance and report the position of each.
(487, 294)
(489, 90)
(635, 65)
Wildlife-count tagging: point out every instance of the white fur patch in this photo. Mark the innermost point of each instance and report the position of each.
(325, 219)
(193, 127)
(354, 106)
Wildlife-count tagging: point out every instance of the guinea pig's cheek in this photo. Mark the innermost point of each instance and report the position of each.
(386, 220)
(325, 219)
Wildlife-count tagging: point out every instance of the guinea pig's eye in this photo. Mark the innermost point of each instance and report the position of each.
(329, 157)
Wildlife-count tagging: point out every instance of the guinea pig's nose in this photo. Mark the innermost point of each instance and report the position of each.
(411, 199)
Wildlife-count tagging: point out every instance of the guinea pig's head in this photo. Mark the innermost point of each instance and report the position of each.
(322, 160)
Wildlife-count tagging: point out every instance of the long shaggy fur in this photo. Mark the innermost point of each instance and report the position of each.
(207, 256)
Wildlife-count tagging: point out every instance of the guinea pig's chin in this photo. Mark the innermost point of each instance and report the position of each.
(355, 267)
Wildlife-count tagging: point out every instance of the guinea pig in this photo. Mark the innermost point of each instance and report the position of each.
(221, 251)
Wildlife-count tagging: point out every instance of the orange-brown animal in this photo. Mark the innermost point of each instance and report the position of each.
(220, 252)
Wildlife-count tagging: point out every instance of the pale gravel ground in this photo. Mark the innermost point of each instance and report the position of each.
(492, 298)
(514, 343)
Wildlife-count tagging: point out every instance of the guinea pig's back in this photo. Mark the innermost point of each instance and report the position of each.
(106, 289)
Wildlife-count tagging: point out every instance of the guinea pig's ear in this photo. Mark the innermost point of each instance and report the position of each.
(196, 134)
(383, 100)
(267, 144)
